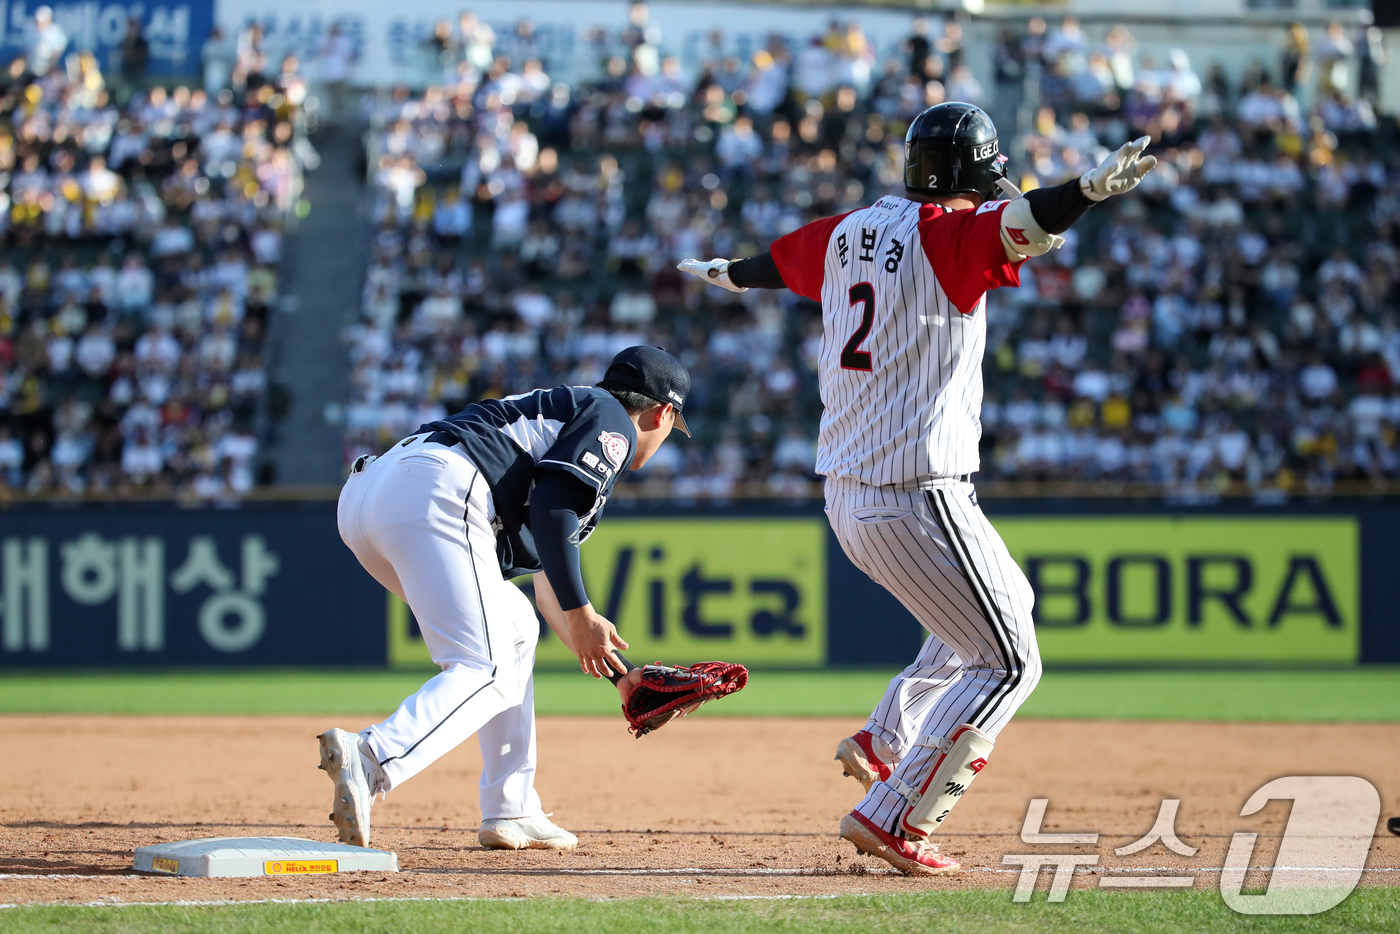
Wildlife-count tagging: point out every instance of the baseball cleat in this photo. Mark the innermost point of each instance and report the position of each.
(858, 760)
(916, 857)
(354, 786)
(519, 833)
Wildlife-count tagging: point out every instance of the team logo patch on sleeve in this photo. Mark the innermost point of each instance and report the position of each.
(614, 448)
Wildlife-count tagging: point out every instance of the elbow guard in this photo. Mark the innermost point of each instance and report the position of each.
(1021, 235)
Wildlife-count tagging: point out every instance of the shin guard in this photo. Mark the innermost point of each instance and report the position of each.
(963, 755)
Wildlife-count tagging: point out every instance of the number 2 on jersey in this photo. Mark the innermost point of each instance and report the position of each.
(852, 357)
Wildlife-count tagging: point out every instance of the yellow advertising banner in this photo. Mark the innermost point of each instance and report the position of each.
(1180, 589)
(1109, 589)
(690, 590)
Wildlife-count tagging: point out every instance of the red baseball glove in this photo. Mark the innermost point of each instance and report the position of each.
(665, 693)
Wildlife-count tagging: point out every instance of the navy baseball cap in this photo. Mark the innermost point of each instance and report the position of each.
(652, 372)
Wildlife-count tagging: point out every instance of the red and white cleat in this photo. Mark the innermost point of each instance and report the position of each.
(916, 857)
(858, 760)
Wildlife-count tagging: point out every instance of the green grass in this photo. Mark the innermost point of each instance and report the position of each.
(1353, 694)
(982, 912)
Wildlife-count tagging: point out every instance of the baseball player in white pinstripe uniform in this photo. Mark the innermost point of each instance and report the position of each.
(902, 285)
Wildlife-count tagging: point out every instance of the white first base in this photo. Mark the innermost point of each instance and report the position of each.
(221, 857)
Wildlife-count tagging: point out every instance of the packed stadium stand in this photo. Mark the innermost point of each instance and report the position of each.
(1230, 330)
(142, 228)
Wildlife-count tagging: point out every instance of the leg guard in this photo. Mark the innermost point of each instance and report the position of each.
(964, 755)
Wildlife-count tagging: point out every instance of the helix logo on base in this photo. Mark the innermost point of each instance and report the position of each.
(1319, 862)
(287, 867)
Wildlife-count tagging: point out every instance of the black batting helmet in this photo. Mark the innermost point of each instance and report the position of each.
(952, 149)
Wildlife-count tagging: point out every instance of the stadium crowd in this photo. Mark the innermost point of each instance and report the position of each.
(141, 231)
(1230, 328)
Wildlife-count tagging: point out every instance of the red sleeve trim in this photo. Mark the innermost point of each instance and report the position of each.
(966, 253)
(801, 256)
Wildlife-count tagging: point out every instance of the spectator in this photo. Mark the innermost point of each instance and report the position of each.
(1333, 56)
(45, 42)
(135, 54)
(129, 355)
(217, 57)
(1296, 61)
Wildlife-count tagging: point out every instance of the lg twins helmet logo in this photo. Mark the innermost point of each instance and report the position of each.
(614, 448)
(985, 151)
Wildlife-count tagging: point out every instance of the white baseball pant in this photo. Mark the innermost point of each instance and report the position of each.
(419, 520)
(937, 553)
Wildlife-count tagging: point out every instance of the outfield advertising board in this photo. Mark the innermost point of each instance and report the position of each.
(147, 586)
(1174, 589)
(175, 30)
(1109, 589)
(688, 590)
(135, 586)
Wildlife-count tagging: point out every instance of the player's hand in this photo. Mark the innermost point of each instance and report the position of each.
(628, 683)
(594, 641)
(1120, 172)
(715, 272)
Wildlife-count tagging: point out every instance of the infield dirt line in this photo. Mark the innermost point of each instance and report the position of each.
(696, 871)
(225, 902)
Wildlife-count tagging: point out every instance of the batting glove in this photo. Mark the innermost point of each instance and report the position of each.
(715, 272)
(1119, 173)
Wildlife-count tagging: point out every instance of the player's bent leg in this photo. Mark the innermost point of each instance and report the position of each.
(869, 523)
(895, 722)
(508, 742)
(938, 768)
(512, 816)
(413, 517)
(949, 568)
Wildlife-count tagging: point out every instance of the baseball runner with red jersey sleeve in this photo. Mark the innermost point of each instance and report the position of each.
(903, 287)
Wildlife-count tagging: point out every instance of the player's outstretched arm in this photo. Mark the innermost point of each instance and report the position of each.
(1031, 223)
(715, 272)
(737, 275)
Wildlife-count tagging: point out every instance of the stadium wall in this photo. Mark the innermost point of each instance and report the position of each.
(271, 584)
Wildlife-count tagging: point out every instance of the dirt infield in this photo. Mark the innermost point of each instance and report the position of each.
(709, 806)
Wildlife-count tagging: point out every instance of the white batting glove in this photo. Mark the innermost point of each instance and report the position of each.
(715, 272)
(1119, 173)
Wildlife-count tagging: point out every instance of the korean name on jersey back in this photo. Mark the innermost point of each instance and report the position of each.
(900, 365)
(579, 430)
